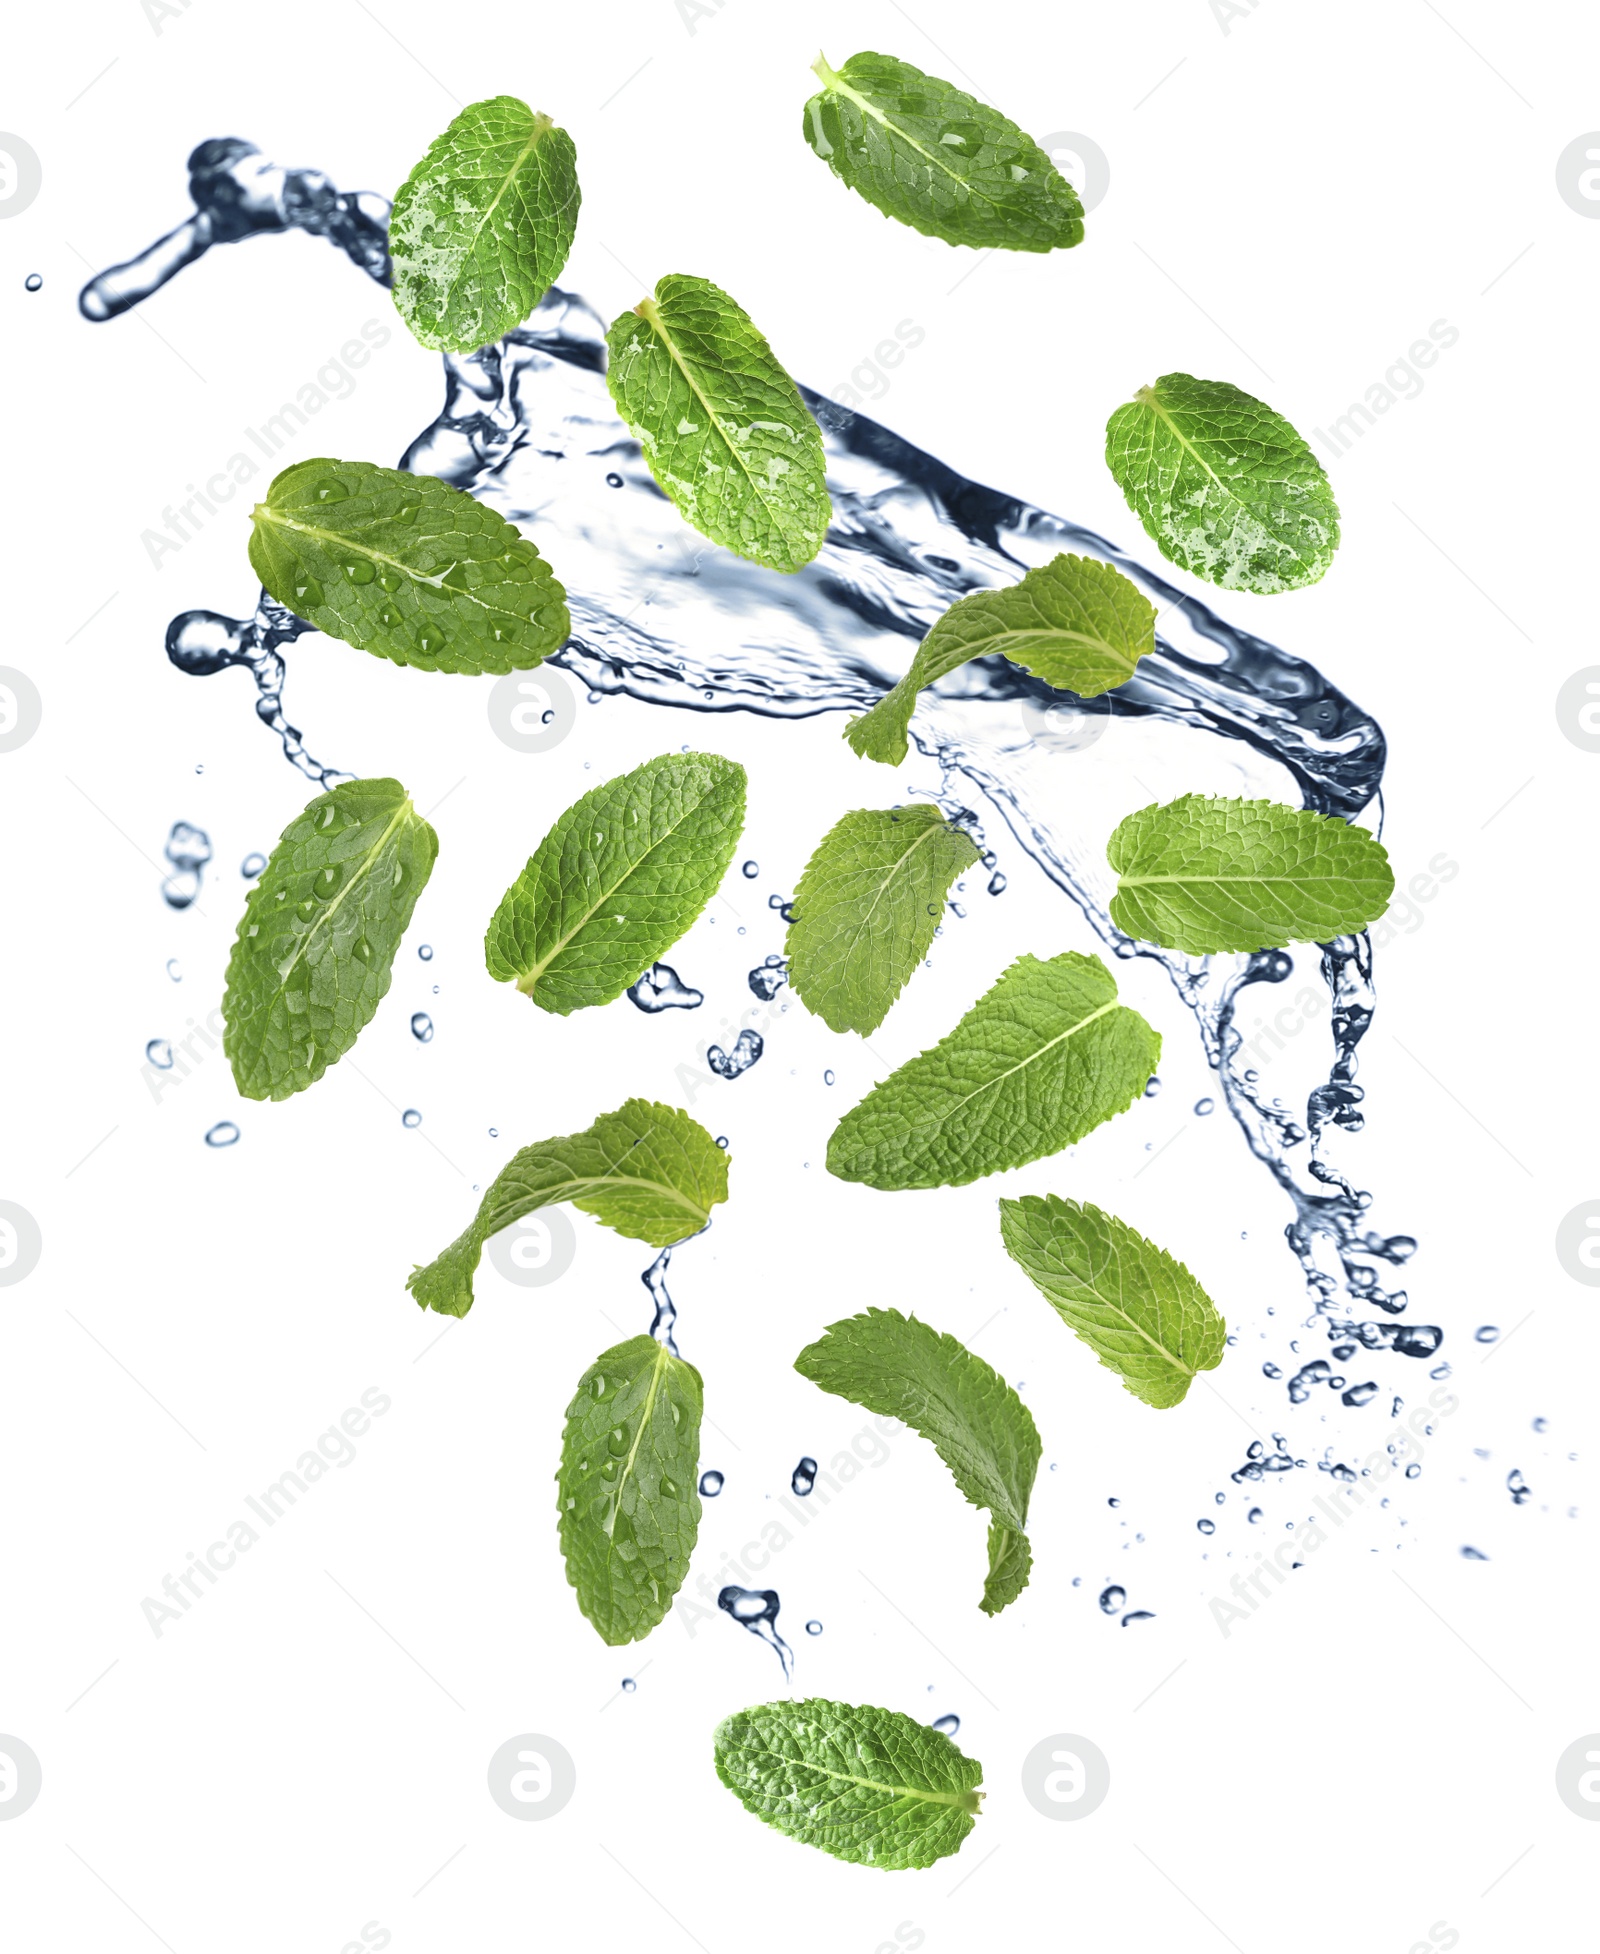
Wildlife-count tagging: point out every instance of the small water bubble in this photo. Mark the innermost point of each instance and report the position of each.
(1111, 1599)
(1203, 1107)
(421, 1027)
(329, 490)
(1152, 1086)
(1359, 1394)
(947, 1726)
(629, 1685)
(494, 1132)
(711, 1484)
(1137, 1615)
(411, 1117)
(997, 884)
(1113, 1502)
(223, 1134)
(756, 1609)
(174, 970)
(827, 1078)
(747, 1048)
(32, 282)
(159, 1054)
(1472, 1553)
(1254, 1516)
(1541, 1424)
(749, 870)
(722, 1141)
(1519, 1489)
(613, 480)
(425, 951)
(813, 1628)
(662, 989)
(769, 979)
(252, 865)
(1206, 1526)
(1486, 1333)
(803, 1479)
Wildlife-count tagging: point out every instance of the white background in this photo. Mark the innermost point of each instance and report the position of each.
(1371, 1756)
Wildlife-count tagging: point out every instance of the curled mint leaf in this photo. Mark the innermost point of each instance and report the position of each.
(406, 567)
(924, 152)
(1040, 1060)
(648, 1171)
(1223, 485)
(1140, 1311)
(626, 1490)
(721, 424)
(1203, 875)
(871, 1786)
(866, 909)
(312, 959)
(901, 1368)
(482, 226)
(617, 880)
(1076, 623)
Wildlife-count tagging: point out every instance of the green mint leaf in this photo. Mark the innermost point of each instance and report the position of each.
(314, 952)
(866, 910)
(868, 1785)
(1039, 1061)
(630, 1456)
(1223, 485)
(648, 1171)
(1140, 1311)
(1076, 623)
(924, 152)
(406, 567)
(617, 880)
(721, 424)
(482, 226)
(1201, 875)
(901, 1368)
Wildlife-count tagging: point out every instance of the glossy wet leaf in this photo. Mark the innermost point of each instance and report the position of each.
(1137, 1308)
(314, 953)
(646, 1170)
(482, 226)
(618, 879)
(1224, 486)
(925, 152)
(1040, 1060)
(722, 425)
(1203, 875)
(866, 908)
(902, 1368)
(626, 1490)
(871, 1786)
(406, 567)
(1076, 623)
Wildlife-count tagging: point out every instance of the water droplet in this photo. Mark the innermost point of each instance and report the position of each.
(711, 1484)
(325, 883)
(997, 884)
(767, 981)
(251, 866)
(1137, 1615)
(1519, 1489)
(1205, 1106)
(1152, 1087)
(827, 1078)
(1206, 1526)
(613, 480)
(813, 1628)
(1541, 1424)
(1254, 1516)
(159, 1054)
(359, 571)
(1472, 1553)
(328, 490)
(421, 1027)
(669, 1487)
(425, 951)
(223, 1134)
(598, 1385)
(407, 512)
(1111, 1599)
(306, 908)
(617, 1441)
(662, 989)
(174, 970)
(390, 579)
(362, 950)
(947, 1726)
(494, 1132)
(803, 1479)
(747, 1048)
(411, 1117)
(32, 282)
(750, 870)
(756, 1609)
(1486, 1333)
(307, 596)
(629, 1684)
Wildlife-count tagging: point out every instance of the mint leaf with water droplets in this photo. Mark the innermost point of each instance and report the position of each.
(1140, 1311)
(1040, 1060)
(1202, 875)
(646, 1170)
(924, 152)
(1076, 623)
(1223, 485)
(722, 425)
(617, 880)
(866, 909)
(626, 1490)
(406, 567)
(314, 953)
(482, 226)
(901, 1368)
(871, 1786)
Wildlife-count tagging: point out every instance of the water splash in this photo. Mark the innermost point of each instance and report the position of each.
(661, 1324)
(661, 989)
(757, 1610)
(769, 978)
(747, 1048)
(663, 616)
(188, 850)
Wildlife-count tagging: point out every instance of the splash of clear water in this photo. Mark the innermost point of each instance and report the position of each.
(659, 614)
(756, 1609)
